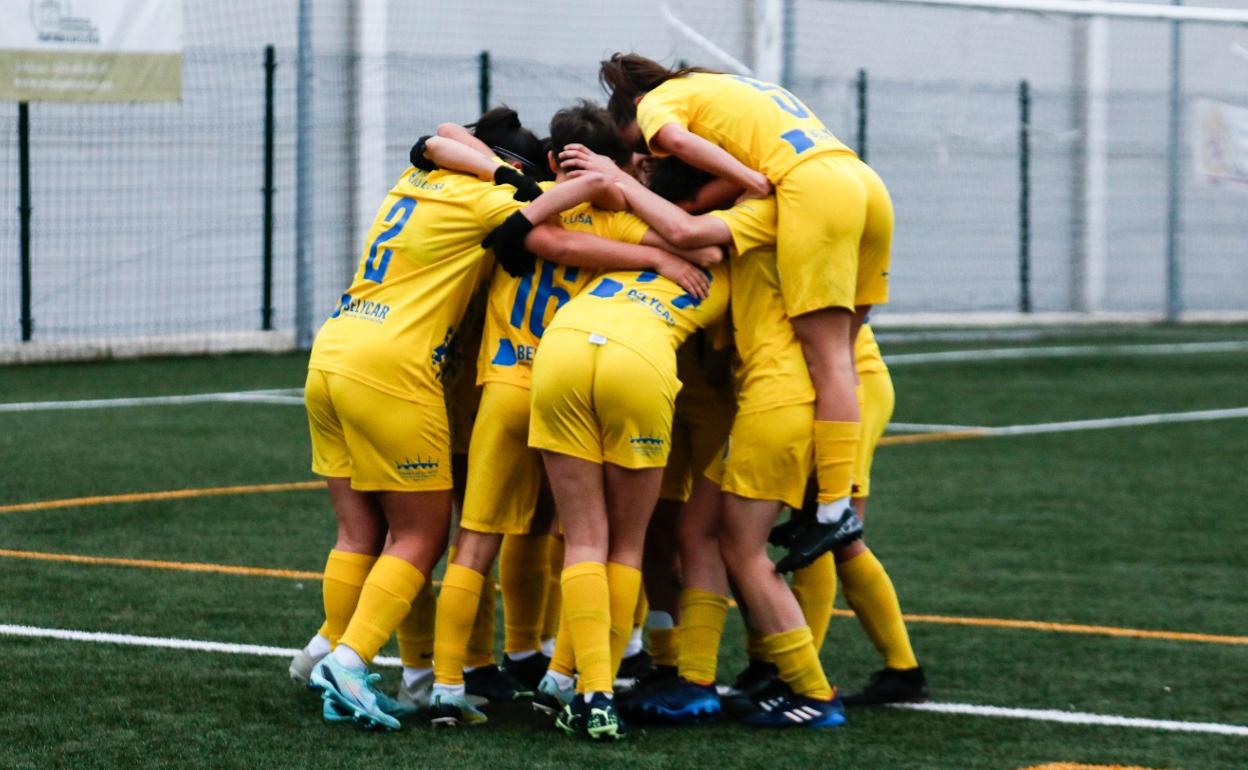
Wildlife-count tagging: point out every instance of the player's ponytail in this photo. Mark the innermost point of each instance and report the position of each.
(500, 128)
(625, 76)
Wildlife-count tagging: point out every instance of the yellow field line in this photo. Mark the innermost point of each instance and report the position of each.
(1027, 625)
(1073, 766)
(183, 566)
(923, 438)
(172, 494)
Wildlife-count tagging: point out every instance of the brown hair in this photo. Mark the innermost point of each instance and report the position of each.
(625, 76)
(675, 180)
(500, 128)
(589, 124)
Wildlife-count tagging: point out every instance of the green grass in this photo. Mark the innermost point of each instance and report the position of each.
(1136, 527)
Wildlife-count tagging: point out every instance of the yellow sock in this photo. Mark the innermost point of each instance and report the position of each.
(457, 613)
(345, 573)
(563, 660)
(385, 600)
(642, 609)
(481, 642)
(664, 647)
(554, 592)
(702, 616)
(587, 611)
(524, 572)
(755, 647)
(624, 586)
(415, 633)
(836, 443)
(815, 589)
(794, 654)
(870, 593)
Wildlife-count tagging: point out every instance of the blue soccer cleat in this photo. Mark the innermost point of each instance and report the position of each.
(352, 692)
(680, 703)
(789, 710)
(551, 699)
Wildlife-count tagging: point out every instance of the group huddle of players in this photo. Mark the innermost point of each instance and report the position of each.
(665, 302)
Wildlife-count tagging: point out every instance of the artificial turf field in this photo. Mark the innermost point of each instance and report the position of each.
(1120, 528)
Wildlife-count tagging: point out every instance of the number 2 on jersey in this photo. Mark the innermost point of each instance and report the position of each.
(375, 267)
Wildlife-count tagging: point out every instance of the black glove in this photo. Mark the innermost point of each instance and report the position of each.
(507, 242)
(526, 188)
(416, 156)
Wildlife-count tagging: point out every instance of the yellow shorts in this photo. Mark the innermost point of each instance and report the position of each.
(379, 441)
(601, 403)
(504, 474)
(769, 455)
(699, 430)
(835, 225)
(875, 404)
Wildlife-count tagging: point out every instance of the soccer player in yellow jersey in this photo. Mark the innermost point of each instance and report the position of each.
(504, 474)
(377, 413)
(863, 579)
(768, 457)
(604, 386)
(835, 233)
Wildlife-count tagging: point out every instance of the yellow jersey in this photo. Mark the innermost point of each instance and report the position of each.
(394, 328)
(645, 312)
(760, 124)
(867, 356)
(773, 370)
(520, 309)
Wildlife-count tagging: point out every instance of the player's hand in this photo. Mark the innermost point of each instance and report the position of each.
(578, 157)
(759, 187)
(693, 279)
(526, 188)
(703, 256)
(507, 243)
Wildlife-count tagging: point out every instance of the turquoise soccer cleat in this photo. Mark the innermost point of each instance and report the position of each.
(352, 692)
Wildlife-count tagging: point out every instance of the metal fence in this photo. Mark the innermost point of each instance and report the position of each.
(158, 220)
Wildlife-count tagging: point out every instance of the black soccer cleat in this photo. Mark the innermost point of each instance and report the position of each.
(816, 538)
(527, 671)
(891, 685)
(758, 681)
(491, 683)
(635, 666)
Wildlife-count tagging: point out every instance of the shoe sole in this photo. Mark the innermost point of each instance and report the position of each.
(690, 715)
(542, 708)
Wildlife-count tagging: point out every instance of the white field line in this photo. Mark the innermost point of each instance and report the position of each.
(924, 427)
(1038, 715)
(1071, 426)
(1076, 718)
(130, 640)
(1065, 351)
(291, 396)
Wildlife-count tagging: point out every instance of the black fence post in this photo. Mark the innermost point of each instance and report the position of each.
(266, 307)
(23, 212)
(861, 87)
(483, 80)
(1024, 197)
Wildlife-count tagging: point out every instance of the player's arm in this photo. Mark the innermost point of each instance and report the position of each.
(704, 256)
(569, 247)
(451, 154)
(465, 137)
(677, 140)
(507, 239)
(676, 226)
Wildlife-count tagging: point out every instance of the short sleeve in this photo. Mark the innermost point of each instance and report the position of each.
(666, 104)
(625, 227)
(496, 204)
(752, 222)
